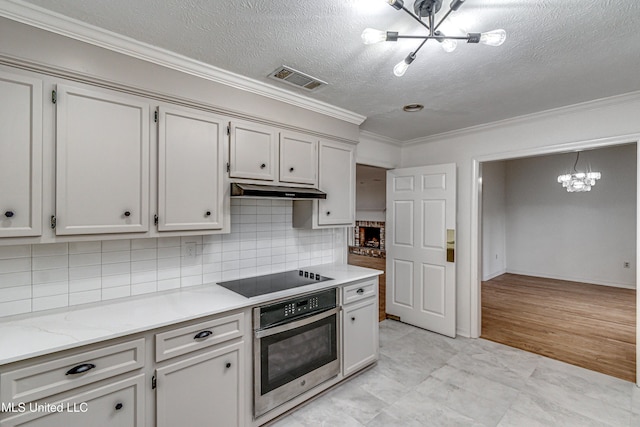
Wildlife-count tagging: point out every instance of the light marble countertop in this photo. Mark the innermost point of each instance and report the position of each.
(36, 334)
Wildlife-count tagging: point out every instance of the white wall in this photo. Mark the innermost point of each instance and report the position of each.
(262, 241)
(616, 116)
(371, 193)
(583, 237)
(494, 220)
(376, 150)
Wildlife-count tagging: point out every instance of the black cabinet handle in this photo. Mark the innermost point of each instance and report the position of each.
(80, 369)
(9, 214)
(291, 169)
(328, 212)
(127, 213)
(228, 365)
(360, 291)
(119, 406)
(207, 213)
(203, 334)
(262, 166)
(353, 319)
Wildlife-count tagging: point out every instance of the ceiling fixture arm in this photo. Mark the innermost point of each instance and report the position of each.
(455, 5)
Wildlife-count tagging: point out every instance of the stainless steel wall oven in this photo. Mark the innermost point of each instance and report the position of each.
(295, 347)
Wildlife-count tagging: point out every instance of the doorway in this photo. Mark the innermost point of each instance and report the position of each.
(367, 240)
(538, 244)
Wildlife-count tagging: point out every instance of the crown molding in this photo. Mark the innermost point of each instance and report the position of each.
(379, 138)
(574, 108)
(35, 16)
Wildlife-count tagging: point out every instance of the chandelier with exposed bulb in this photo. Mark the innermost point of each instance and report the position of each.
(578, 182)
(427, 9)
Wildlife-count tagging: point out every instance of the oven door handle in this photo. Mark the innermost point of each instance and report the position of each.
(261, 333)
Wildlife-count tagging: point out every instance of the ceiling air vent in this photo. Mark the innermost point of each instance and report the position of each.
(296, 78)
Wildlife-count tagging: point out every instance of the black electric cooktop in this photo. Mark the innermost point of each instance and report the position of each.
(260, 285)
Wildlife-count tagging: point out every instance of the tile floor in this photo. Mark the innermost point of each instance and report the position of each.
(425, 379)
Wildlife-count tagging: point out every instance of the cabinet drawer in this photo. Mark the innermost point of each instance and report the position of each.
(190, 338)
(118, 403)
(359, 291)
(48, 378)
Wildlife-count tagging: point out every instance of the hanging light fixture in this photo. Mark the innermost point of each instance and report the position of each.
(427, 9)
(579, 181)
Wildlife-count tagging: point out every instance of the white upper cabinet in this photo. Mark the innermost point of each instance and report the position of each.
(102, 162)
(337, 179)
(298, 158)
(20, 156)
(190, 169)
(252, 151)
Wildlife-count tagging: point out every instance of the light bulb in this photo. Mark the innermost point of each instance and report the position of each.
(400, 68)
(371, 36)
(449, 45)
(397, 4)
(493, 38)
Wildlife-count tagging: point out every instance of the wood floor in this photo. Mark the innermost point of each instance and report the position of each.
(586, 325)
(378, 264)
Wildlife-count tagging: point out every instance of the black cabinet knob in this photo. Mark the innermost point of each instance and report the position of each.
(127, 213)
(328, 212)
(207, 213)
(262, 166)
(119, 406)
(228, 365)
(360, 291)
(291, 169)
(9, 214)
(353, 319)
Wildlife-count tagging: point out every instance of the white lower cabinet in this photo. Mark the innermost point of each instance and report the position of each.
(359, 326)
(202, 390)
(107, 404)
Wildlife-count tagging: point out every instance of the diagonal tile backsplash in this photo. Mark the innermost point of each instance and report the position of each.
(262, 241)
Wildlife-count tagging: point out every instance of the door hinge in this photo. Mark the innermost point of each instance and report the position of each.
(229, 129)
(155, 220)
(228, 167)
(53, 222)
(154, 383)
(155, 116)
(54, 96)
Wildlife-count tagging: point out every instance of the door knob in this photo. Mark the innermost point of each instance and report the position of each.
(262, 166)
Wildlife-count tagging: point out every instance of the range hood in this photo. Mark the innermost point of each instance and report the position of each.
(275, 192)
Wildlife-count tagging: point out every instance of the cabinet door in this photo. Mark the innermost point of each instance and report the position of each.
(20, 156)
(360, 335)
(102, 162)
(203, 390)
(190, 190)
(298, 158)
(119, 404)
(252, 151)
(337, 179)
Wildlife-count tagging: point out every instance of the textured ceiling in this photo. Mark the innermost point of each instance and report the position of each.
(558, 52)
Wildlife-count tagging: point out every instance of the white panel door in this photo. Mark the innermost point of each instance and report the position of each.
(20, 156)
(421, 285)
(102, 162)
(190, 190)
(298, 158)
(252, 151)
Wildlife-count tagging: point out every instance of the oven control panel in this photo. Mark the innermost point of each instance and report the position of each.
(297, 307)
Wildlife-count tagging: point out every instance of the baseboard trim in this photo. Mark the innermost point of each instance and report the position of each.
(573, 279)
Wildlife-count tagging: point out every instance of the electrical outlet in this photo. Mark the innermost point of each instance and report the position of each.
(189, 250)
(626, 264)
